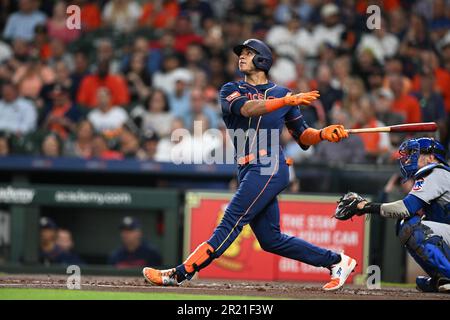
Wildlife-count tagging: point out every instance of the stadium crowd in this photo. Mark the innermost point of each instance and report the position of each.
(137, 70)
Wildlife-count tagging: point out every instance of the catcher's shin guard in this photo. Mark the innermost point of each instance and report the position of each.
(429, 250)
(200, 258)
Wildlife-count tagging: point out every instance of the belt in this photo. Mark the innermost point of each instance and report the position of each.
(263, 152)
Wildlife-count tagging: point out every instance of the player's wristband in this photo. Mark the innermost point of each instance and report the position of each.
(310, 137)
(274, 104)
(371, 208)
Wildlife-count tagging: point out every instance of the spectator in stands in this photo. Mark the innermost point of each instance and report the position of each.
(417, 38)
(179, 100)
(364, 64)
(81, 70)
(382, 102)
(50, 252)
(199, 106)
(32, 76)
(21, 24)
(330, 30)
(57, 24)
(65, 242)
(5, 52)
(350, 151)
(100, 149)
(17, 115)
(138, 78)
(375, 80)
(283, 38)
(283, 70)
(377, 145)
(195, 58)
(82, 145)
(51, 146)
(107, 118)
(91, 17)
(149, 146)
(62, 79)
(105, 51)
(184, 33)
(405, 105)
(41, 42)
(165, 147)
(122, 15)
(160, 14)
(152, 56)
(87, 92)
(157, 114)
(198, 11)
(128, 143)
(58, 53)
(380, 42)
(5, 148)
(353, 93)
(62, 115)
(431, 102)
(134, 252)
(341, 72)
(166, 78)
(328, 94)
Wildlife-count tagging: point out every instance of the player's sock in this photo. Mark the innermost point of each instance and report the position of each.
(182, 274)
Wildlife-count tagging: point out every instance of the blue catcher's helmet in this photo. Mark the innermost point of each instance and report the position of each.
(410, 151)
(263, 58)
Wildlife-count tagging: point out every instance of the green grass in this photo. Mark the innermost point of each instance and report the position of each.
(397, 285)
(60, 294)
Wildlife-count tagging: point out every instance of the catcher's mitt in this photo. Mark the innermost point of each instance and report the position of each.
(347, 206)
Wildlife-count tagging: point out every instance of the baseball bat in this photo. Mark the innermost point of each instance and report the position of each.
(409, 127)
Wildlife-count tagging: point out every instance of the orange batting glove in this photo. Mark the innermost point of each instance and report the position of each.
(333, 133)
(301, 98)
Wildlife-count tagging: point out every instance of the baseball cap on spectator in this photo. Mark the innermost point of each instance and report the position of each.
(130, 223)
(182, 75)
(150, 135)
(47, 223)
(385, 93)
(329, 10)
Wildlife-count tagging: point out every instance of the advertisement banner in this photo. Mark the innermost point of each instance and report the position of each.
(304, 216)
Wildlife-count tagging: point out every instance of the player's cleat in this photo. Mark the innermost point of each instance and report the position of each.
(426, 284)
(340, 272)
(160, 277)
(444, 285)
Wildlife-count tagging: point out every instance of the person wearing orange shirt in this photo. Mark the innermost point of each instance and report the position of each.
(376, 144)
(404, 104)
(159, 14)
(115, 83)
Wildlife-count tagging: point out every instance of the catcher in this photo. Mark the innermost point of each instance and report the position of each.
(424, 214)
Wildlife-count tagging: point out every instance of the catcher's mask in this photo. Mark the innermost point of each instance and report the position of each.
(410, 151)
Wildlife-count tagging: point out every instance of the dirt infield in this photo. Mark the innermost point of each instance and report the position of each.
(263, 289)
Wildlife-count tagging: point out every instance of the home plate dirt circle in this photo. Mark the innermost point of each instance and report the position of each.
(290, 290)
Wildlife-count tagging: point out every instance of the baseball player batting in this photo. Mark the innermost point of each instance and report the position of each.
(259, 105)
(424, 214)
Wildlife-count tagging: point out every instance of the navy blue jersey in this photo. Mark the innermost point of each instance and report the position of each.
(233, 96)
(143, 256)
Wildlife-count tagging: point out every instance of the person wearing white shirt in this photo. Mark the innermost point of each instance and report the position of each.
(122, 15)
(17, 115)
(329, 31)
(380, 42)
(21, 24)
(107, 118)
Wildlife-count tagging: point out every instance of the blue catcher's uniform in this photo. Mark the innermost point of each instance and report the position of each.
(426, 233)
(262, 175)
